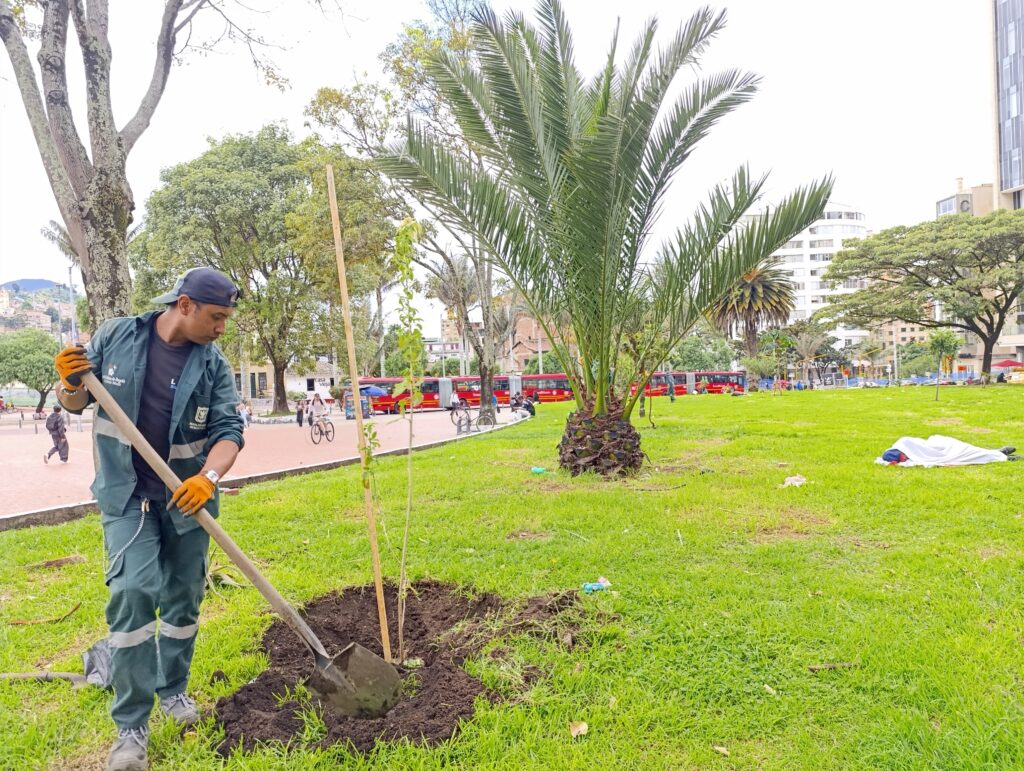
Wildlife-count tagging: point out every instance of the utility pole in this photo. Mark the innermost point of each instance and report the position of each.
(443, 355)
(895, 356)
(540, 349)
(71, 298)
(60, 322)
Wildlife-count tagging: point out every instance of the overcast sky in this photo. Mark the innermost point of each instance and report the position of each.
(893, 98)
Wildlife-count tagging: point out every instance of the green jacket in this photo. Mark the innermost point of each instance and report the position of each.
(203, 412)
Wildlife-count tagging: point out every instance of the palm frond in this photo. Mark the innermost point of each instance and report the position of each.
(562, 179)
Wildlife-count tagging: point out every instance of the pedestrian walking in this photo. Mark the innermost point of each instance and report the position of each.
(165, 372)
(58, 433)
(300, 409)
(243, 412)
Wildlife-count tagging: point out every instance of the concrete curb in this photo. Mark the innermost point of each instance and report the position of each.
(58, 515)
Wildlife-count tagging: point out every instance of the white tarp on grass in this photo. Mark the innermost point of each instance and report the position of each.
(941, 450)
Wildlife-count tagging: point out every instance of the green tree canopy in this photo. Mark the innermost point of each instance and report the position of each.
(942, 344)
(571, 179)
(27, 357)
(958, 272)
(703, 349)
(255, 207)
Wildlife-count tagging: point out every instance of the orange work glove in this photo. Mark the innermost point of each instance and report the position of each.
(193, 494)
(70, 364)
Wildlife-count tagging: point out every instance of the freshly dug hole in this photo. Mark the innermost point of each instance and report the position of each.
(443, 627)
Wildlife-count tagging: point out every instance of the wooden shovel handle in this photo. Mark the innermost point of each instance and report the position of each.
(208, 523)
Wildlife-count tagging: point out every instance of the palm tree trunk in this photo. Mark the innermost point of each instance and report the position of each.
(750, 337)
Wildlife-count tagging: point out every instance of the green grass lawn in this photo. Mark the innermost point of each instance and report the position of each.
(726, 588)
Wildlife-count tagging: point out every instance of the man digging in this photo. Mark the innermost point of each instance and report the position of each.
(163, 369)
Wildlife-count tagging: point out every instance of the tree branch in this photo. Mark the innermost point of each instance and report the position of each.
(24, 75)
(52, 66)
(91, 28)
(99, 18)
(161, 70)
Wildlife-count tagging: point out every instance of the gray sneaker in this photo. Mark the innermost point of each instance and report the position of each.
(181, 709)
(129, 752)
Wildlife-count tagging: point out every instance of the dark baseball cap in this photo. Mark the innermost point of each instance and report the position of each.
(204, 285)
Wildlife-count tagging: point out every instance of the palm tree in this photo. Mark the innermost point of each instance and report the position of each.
(570, 182)
(58, 235)
(453, 283)
(808, 338)
(763, 297)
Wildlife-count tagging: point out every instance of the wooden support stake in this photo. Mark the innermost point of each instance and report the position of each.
(371, 519)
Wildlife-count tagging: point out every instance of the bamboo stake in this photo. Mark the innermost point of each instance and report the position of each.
(371, 519)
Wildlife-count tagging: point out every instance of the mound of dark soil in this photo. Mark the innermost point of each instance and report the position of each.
(443, 627)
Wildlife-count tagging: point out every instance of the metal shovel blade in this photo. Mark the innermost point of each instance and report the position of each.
(356, 682)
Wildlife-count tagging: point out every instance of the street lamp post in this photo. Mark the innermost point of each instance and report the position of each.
(71, 299)
(540, 349)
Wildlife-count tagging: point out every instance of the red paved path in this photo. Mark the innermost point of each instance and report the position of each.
(28, 484)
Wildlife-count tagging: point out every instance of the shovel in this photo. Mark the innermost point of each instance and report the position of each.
(356, 682)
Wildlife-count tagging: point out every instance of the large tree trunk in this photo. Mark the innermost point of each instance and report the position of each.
(607, 444)
(986, 357)
(105, 267)
(280, 393)
(41, 404)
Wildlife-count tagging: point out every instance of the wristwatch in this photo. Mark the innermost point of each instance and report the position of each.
(212, 475)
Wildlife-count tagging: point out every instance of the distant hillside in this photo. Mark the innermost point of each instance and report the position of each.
(27, 285)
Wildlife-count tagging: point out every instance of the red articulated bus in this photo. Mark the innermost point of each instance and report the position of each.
(385, 402)
(716, 381)
(658, 385)
(393, 402)
(468, 388)
(547, 388)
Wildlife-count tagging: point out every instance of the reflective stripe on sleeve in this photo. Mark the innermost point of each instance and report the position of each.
(185, 451)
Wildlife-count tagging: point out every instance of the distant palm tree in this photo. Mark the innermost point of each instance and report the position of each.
(763, 297)
(58, 235)
(566, 181)
(806, 344)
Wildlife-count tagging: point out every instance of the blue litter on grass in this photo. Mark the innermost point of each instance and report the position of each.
(596, 586)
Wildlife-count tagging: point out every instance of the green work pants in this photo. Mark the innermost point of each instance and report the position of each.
(151, 571)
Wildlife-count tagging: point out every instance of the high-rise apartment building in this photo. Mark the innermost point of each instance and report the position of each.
(807, 256)
(1008, 50)
(1008, 47)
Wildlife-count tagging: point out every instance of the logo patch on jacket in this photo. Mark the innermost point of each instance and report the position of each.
(111, 379)
(200, 418)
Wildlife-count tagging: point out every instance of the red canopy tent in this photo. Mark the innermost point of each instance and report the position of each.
(1008, 363)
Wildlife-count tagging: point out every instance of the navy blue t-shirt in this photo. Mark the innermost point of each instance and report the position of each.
(164, 365)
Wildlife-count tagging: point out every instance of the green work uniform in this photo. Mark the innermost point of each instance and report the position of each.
(156, 557)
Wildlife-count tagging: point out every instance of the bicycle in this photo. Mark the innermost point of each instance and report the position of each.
(465, 422)
(460, 413)
(322, 428)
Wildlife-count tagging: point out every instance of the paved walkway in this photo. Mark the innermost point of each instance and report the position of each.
(29, 484)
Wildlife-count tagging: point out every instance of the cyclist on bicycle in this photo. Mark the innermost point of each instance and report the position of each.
(318, 409)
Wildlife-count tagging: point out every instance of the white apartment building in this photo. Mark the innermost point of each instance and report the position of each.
(806, 259)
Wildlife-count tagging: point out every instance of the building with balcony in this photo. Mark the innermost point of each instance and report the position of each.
(806, 258)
